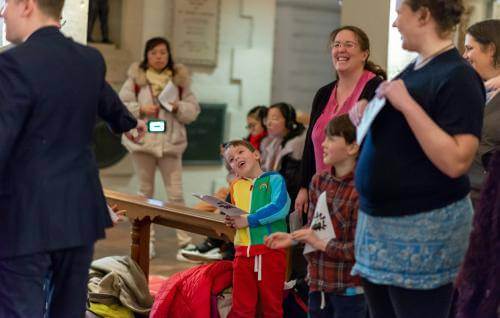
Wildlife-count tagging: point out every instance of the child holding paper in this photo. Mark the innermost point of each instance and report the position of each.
(333, 292)
(258, 271)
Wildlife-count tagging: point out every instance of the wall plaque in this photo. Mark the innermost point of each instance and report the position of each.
(195, 29)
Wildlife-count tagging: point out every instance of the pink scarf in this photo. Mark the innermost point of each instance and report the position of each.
(332, 110)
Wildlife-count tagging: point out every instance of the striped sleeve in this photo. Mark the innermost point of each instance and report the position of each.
(278, 207)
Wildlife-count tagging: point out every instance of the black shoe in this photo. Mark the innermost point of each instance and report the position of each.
(209, 244)
(205, 251)
(227, 251)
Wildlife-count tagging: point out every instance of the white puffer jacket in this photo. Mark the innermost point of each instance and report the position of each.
(174, 140)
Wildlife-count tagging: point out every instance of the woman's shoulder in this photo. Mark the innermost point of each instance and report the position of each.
(450, 66)
(295, 145)
(298, 139)
(137, 74)
(320, 177)
(182, 75)
(495, 101)
(375, 81)
(370, 88)
(321, 98)
(327, 89)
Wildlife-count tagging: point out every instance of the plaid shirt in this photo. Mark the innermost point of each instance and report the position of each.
(330, 271)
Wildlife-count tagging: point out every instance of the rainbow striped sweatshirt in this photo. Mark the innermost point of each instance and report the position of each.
(267, 203)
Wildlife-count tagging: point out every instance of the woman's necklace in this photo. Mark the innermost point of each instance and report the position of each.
(422, 63)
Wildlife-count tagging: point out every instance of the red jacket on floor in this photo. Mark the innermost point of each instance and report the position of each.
(187, 294)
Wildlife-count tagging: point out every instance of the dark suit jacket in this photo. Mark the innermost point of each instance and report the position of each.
(51, 92)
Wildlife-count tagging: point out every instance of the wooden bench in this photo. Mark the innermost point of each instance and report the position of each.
(142, 212)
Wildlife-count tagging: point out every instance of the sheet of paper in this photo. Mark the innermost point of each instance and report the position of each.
(321, 223)
(114, 217)
(371, 111)
(225, 207)
(168, 95)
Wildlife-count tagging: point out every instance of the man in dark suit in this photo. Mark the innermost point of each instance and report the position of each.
(52, 208)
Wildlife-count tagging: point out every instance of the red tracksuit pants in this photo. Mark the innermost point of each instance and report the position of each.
(264, 296)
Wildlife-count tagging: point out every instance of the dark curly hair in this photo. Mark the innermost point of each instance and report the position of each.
(150, 45)
(446, 13)
(364, 45)
(487, 33)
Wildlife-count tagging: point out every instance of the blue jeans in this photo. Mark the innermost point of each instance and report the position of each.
(337, 306)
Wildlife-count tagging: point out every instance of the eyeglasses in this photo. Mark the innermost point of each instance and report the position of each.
(345, 44)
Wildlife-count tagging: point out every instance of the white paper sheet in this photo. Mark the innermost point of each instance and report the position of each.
(321, 223)
(168, 95)
(225, 207)
(371, 111)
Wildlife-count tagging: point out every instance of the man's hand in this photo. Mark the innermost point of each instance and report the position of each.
(140, 131)
(116, 214)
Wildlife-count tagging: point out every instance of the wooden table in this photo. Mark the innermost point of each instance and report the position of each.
(142, 212)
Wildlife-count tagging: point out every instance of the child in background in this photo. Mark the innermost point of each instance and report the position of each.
(258, 271)
(255, 125)
(333, 292)
(212, 249)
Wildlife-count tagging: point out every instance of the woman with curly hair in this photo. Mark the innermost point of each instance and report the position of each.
(415, 212)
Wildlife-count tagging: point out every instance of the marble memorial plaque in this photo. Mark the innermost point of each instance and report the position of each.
(195, 29)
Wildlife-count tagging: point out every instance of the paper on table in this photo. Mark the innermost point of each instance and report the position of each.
(321, 223)
(168, 95)
(223, 206)
(371, 111)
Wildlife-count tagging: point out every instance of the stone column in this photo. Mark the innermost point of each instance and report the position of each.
(74, 17)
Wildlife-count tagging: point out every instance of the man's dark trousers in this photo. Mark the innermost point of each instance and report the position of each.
(52, 206)
(32, 281)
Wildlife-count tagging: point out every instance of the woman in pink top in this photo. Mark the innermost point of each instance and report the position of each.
(357, 79)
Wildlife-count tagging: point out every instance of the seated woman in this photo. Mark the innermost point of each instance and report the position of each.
(282, 148)
(255, 125)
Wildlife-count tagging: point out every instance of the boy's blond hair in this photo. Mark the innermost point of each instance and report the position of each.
(236, 143)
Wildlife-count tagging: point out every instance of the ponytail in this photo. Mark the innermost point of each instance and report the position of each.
(376, 69)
